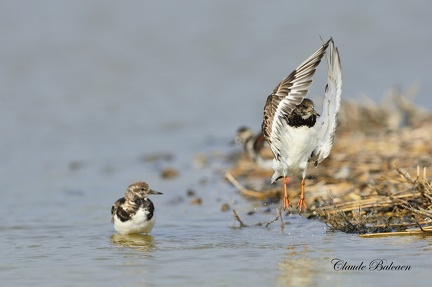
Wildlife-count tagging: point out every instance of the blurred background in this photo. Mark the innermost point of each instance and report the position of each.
(95, 81)
(95, 95)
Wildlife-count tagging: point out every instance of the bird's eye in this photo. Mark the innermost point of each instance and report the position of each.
(142, 189)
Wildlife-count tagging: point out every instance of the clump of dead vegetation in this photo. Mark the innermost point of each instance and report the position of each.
(376, 180)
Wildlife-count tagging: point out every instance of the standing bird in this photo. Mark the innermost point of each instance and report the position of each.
(255, 147)
(295, 131)
(134, 213)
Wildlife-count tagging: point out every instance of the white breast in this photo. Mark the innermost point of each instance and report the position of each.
(297, 146)
(137, 224)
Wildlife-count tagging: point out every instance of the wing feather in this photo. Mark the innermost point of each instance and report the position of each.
(328, 121)
(115, 207)
(286, 96)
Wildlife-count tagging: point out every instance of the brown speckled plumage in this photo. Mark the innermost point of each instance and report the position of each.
(134, 211)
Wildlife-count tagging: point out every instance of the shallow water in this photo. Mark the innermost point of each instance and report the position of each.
(97, 95)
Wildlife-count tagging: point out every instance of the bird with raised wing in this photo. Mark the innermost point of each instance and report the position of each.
(295, 132)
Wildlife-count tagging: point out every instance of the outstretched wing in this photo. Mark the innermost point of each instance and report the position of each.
(327, 122)
(286, 96)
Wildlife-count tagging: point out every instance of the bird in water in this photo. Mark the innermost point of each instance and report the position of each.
(294, 130)
(134, 213)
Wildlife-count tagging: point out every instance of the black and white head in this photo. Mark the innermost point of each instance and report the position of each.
(305, 110)
(139, 190)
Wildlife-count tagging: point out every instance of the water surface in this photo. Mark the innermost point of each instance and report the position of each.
(96, 95)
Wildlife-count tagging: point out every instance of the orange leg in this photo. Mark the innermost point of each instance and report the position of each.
(301, 203)
(287, 204)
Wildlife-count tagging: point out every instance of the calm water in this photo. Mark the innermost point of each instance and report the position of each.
(91, 91)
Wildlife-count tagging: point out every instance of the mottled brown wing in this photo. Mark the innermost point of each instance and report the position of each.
(115, 207)
(259, 142)
(286, 96)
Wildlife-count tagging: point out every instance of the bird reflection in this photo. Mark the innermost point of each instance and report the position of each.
(297, 269)
(141, 242)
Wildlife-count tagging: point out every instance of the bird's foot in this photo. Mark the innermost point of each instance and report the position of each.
(287, 204)
(301, 204)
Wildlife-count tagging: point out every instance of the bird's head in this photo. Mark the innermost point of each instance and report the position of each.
(305, 109)
(243, 134)
(139, 189)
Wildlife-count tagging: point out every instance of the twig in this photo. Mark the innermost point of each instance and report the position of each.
(281, 218)
(419, 210)
(272, 221)
(237, 217)
(405, 175)
(402, 233)
(267, 224)
(421, 228)
(248, 192)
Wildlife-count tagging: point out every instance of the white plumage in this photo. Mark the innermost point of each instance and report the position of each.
(135, 212)
(327, 122)
(137, 224)
(294, 160)
(295, 131)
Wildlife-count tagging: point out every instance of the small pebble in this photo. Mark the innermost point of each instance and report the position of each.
(196, 201)
(225, 207)
(190, 193)
(169, 172)
(251, 212)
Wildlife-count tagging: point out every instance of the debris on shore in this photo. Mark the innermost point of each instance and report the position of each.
(377, 179)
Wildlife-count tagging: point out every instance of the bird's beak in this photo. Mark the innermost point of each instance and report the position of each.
(154, 192)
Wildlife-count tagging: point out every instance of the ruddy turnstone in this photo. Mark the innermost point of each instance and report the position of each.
(255, 147)
(295, 131)
(134, 213)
